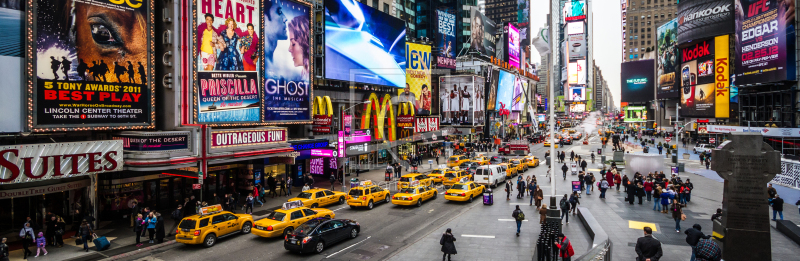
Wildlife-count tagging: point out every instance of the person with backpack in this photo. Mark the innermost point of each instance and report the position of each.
(249, 203)
(448, 244)
(519, 217)
(564, 169)
(574, 202)
(4, 250)
(177, 216)
(693, 236)
(27, 239)
(564, 204)
(647, 247)
(603, 187)
(565, 247)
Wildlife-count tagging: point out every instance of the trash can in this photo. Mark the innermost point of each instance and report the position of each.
(488, 197)
(681, 166)
(353, 182)
(388, 176)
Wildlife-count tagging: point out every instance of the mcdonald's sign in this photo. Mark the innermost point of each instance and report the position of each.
(379, 108)
(323, 112)
(405, 115)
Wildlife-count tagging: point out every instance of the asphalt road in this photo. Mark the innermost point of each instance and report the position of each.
(386, 229)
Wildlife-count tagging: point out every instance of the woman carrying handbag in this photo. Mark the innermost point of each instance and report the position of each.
(677, 214)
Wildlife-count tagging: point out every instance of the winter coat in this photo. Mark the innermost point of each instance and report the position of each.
(564, 168)
(85, 230)
(777, 204)
(631, 191)
(160, 233)
(665, 198)
(617, 179)
(565, 248)
(583, 164)
(648, 247)
(677, 210)
(648, 186)
(610, 178)
(448, 244)
(538, 194)
(639, 190)
(150, 223)
(694, 235)
(138, 225)
(41, 241)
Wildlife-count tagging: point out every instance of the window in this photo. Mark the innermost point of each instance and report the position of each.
(204, 223)
(230, 217)
(309, 212)
(386, 8)
(297, 215)
(325, 227)
(375, 189)
(375, 4)
(320, 194)
(337, 224)
(328, 193)
(217, 219)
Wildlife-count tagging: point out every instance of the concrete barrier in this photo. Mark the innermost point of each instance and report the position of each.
(601, 245)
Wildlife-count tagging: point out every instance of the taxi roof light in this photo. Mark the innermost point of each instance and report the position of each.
(292, 205)
(213, 209)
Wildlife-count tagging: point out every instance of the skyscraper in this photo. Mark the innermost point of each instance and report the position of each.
(640, 18)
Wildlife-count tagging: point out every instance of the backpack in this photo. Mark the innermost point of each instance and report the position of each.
(520, 216)
(563, 204)
(176, 214)
(3, 250)
(573, 200)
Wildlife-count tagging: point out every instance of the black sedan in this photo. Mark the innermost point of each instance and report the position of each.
(496, 160)
(318, 233)
(567, 140)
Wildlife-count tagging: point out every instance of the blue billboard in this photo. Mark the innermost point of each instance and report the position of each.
(363, 44)
(505, 89)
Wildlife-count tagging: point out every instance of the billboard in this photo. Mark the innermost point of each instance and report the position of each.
(575, 28)
(576, 93)
(667, 59)
(520, 93)
(446, 37)
(227, 64)
(287, 60)
(90, 71)
(462, 100)
(492, 77)
(512, 50)
(482, 30)
(577, 107)
(363, 44)
(573, 10)
(505, 89)
(577, 47)
(418, 79)
(699, 19)
(705, 78)
(576, 72)
(635, 114)
(637, 81)
(764, 41)
(523, 11)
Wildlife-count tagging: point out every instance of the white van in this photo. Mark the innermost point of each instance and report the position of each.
(490, 175)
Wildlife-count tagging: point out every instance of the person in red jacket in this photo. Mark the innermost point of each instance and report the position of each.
(648, 189)
(610, 178)
(565, 247)
(617, 179)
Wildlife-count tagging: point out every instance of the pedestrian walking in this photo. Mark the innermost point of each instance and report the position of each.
(565, 207)
(135, 210)
(138, 227)
(647, 247)
(564, 169)
(86, 234)
(150, 225)
(288, 186)
(542, 214)
(231, 204)
(693, 236)
(27, 239)
(589, 183)
(273, 185)
(508, 189)
(520, 188)
(518, 217)
(565, 250)
(657, 198)
(603, 187)
(41, 243)
(160, 233)
(531, 189)
(256, 194)
(249, 204)
(574, 202)
(777, 206)
(4, 256)
(690, 187)
(583, 165)
(580, 179)
(771, 191)
(677, 214)
(572, 155)
(448, 242)
(176, 216)
(617, 179)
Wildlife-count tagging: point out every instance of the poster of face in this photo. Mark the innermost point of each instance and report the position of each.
(492, 79)
(483, 33)
(764, 40)
(418, 79)
(363, 44)
(459, 99)
(505, 89)
(577, 93)
(227, 41)
(287, 60)
(667, 59)
(446, 39)
(92, 63)
(513, 45)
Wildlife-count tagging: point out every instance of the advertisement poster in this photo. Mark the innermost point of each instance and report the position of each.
(577, 72)
(92, 64)
(513, 45)
(418, 79)
(363, 44)
(575, 28)
(699, 19)
(287, 61)
(505, 90)
(667, 59)
(226, 53)
(574, 8)
(446, 38)
(577, 47)
(483, 32)
(635, 114)
(697, 79)
(523, 11)
(637, 81)
(462, 100)
(577, 92)
(520, 90)
(764, 41)
(492, 83)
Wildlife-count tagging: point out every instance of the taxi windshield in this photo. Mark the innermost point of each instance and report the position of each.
(436, 171)
(356, 192)
(450, 174)
(453, 159)
(465, 165)
(304, 195)
(408, 190)
(405, 179)
(276, 216)
(460, 186)
(306, 228)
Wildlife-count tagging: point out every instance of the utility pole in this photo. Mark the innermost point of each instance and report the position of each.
(554, 16)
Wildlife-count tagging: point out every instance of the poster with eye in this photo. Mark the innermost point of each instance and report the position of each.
(226, 42)
(287, 61)
(92, 64)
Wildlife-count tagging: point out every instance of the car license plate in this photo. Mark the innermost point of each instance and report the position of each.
(294, 241)
(453, 194)
(485, 178)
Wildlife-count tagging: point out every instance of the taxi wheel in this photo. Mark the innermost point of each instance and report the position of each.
(319, 247)
(369, 205)
(436, 194)
(470, 199)
(419, 202)
(387, 199)
(352, 207)
(315, 205)
(287, 231)
(341, 200)
(246, 227)
(209, 240)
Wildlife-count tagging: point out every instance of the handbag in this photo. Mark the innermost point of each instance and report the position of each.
(59, 232)
(683, 217)
(78, 241)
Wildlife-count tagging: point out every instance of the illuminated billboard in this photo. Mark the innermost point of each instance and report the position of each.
(513, 45)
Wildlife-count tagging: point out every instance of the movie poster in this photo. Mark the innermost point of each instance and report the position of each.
(764, 41)
(418, 79)
(667, 59)
(461, 98)
(287, 61)
(491, 81)
(226, 52)
(446, 39)
(92, 63)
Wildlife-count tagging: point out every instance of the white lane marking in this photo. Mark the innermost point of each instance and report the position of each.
(359, 242)
(503, 219)
(338, 209)
(516, 203)
(430, 211)
(478, 236)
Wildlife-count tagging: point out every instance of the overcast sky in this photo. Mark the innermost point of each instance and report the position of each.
(607, 38)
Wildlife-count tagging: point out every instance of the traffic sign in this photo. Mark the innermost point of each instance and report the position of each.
(197, 186)
(668, 139)
(712, 140)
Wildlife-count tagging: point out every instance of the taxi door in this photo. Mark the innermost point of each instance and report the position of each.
(220, 224)
(232, 222)
(331, 197)
(322, 200)
(296, 218)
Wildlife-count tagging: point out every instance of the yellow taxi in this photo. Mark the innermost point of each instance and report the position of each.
(212, 223)
(366, 195)
(453, 176)
(406, 179)
(456, 160)
(571, 131)
(464, 191)
(283, 221)
(531, 161)
(436, 175)
(510, 171)
(481, 160)
(414, 195)
(318, 197)
(517, 163)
